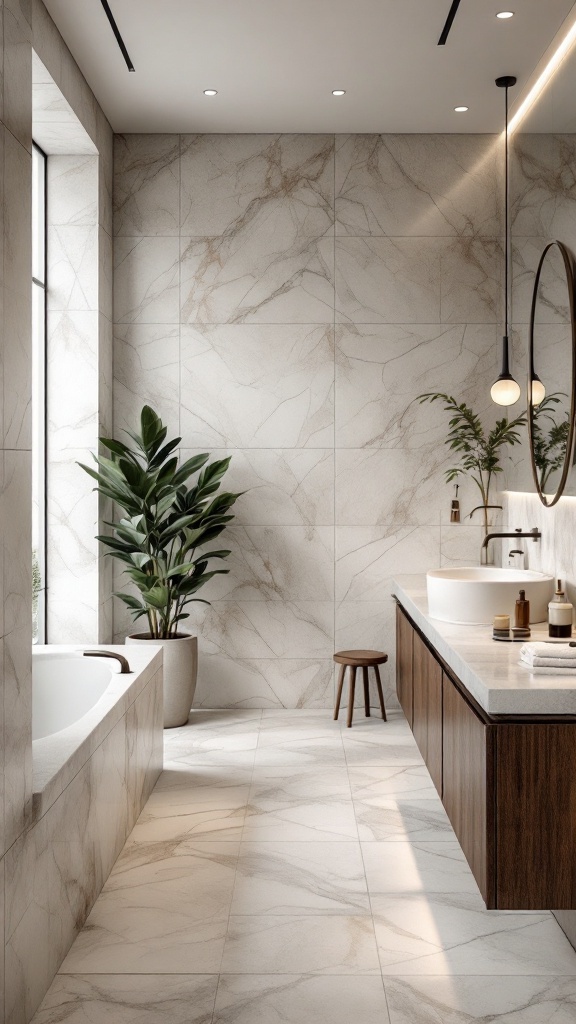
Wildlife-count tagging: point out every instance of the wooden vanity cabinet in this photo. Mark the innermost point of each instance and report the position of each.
(427, 708)
(508, 784)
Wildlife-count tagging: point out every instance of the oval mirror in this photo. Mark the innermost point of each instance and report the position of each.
(552, 372)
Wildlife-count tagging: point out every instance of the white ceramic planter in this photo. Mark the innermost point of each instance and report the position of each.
(180, 660)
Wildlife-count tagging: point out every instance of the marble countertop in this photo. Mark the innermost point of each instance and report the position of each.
(490, 671)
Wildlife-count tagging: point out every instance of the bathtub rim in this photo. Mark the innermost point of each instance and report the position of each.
(57, 759)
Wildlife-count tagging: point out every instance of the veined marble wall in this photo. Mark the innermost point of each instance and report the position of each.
(23, 23)
(284, 299)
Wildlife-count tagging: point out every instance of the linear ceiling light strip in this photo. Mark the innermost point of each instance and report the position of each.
(449, 21)
(116, 32)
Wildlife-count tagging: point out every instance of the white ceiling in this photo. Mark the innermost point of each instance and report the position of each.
(275, 62)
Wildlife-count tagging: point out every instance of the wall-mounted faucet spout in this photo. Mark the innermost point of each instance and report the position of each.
(534, 534)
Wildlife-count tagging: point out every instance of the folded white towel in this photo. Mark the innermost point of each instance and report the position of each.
(541, 649)
(564, 664)
(537, 670)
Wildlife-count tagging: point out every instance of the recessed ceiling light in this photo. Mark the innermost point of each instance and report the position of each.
(460, 110)
(505, 14)
(338, 92)
(210, 92)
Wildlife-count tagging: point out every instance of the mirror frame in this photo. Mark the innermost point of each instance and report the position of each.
(569, 271)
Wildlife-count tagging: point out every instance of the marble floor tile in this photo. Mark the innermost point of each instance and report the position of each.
(299, 999)
(409, 867)
(215, 737)
(453, 934)
(160, 912)
(129, 999)
(383, 783)
(292, 945)
(318, 742)
(195, 803)
(300, 805)
(456, 1000)
(403, 818)
(300, 878)
(389, 744)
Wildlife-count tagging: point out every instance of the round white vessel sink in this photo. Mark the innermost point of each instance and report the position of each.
(474, 595)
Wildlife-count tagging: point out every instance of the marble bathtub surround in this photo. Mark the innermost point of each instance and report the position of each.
(287, 297)
(256, 893)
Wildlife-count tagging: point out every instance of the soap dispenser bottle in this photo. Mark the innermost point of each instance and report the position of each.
(522, 613)
(560, 614)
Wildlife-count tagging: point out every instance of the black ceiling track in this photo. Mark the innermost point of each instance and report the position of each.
(119, 39)
(449, 21)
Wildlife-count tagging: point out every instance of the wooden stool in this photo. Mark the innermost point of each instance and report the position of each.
(363, 660)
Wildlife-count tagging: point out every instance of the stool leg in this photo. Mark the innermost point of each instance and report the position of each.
(339, 696)
(380, 694)
(366, 692)
(351, 688)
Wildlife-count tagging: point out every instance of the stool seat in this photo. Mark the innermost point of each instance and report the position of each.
(353, 660)
(360, 659)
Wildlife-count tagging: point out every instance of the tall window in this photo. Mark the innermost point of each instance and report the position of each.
(39, 392)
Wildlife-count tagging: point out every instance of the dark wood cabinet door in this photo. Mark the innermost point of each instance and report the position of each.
(427, 708)
(404, 666)
(536, 816)
(467, 781)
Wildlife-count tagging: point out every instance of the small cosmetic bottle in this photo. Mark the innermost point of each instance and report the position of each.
(522, 612)
(560, 614)
(455, 508)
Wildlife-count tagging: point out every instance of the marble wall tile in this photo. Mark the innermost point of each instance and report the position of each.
(72, 395)
(431, 185)
(388, 280)
(17, 732)
(367, 558)
(146, 274)
(460, 544)
(542, 185)
(2, 924)
(146, 371)
(390, 487)
(72, 187)
(146, 185)
(241, 183)
(73, 267)
(380, 370)
(263, 683)
(274, 386)
(17, 109)
(105, 274)
(471, 281)
(17, 298)
(143, 746)
(282, 486)
(276, 563)
(265, 629)
(98, 998)
(268, 275)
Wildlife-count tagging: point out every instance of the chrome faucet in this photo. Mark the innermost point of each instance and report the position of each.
(534, 534)
(124, 666)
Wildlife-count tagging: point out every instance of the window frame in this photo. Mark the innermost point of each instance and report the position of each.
(39, 336)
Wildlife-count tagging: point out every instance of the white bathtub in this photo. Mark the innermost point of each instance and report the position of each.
(65, 687)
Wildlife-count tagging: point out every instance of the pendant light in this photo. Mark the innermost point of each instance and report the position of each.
(505, 390)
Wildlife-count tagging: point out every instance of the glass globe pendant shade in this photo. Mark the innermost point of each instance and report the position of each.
(538, 391)
(505, 391)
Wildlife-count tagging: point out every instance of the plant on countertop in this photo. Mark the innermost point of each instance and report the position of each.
(549, 437)
(480, 452)
(165, 521)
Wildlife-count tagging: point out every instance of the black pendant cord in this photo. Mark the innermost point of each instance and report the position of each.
(506, 213)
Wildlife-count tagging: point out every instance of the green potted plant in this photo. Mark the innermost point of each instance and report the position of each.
(165, 520)
(480, 452)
